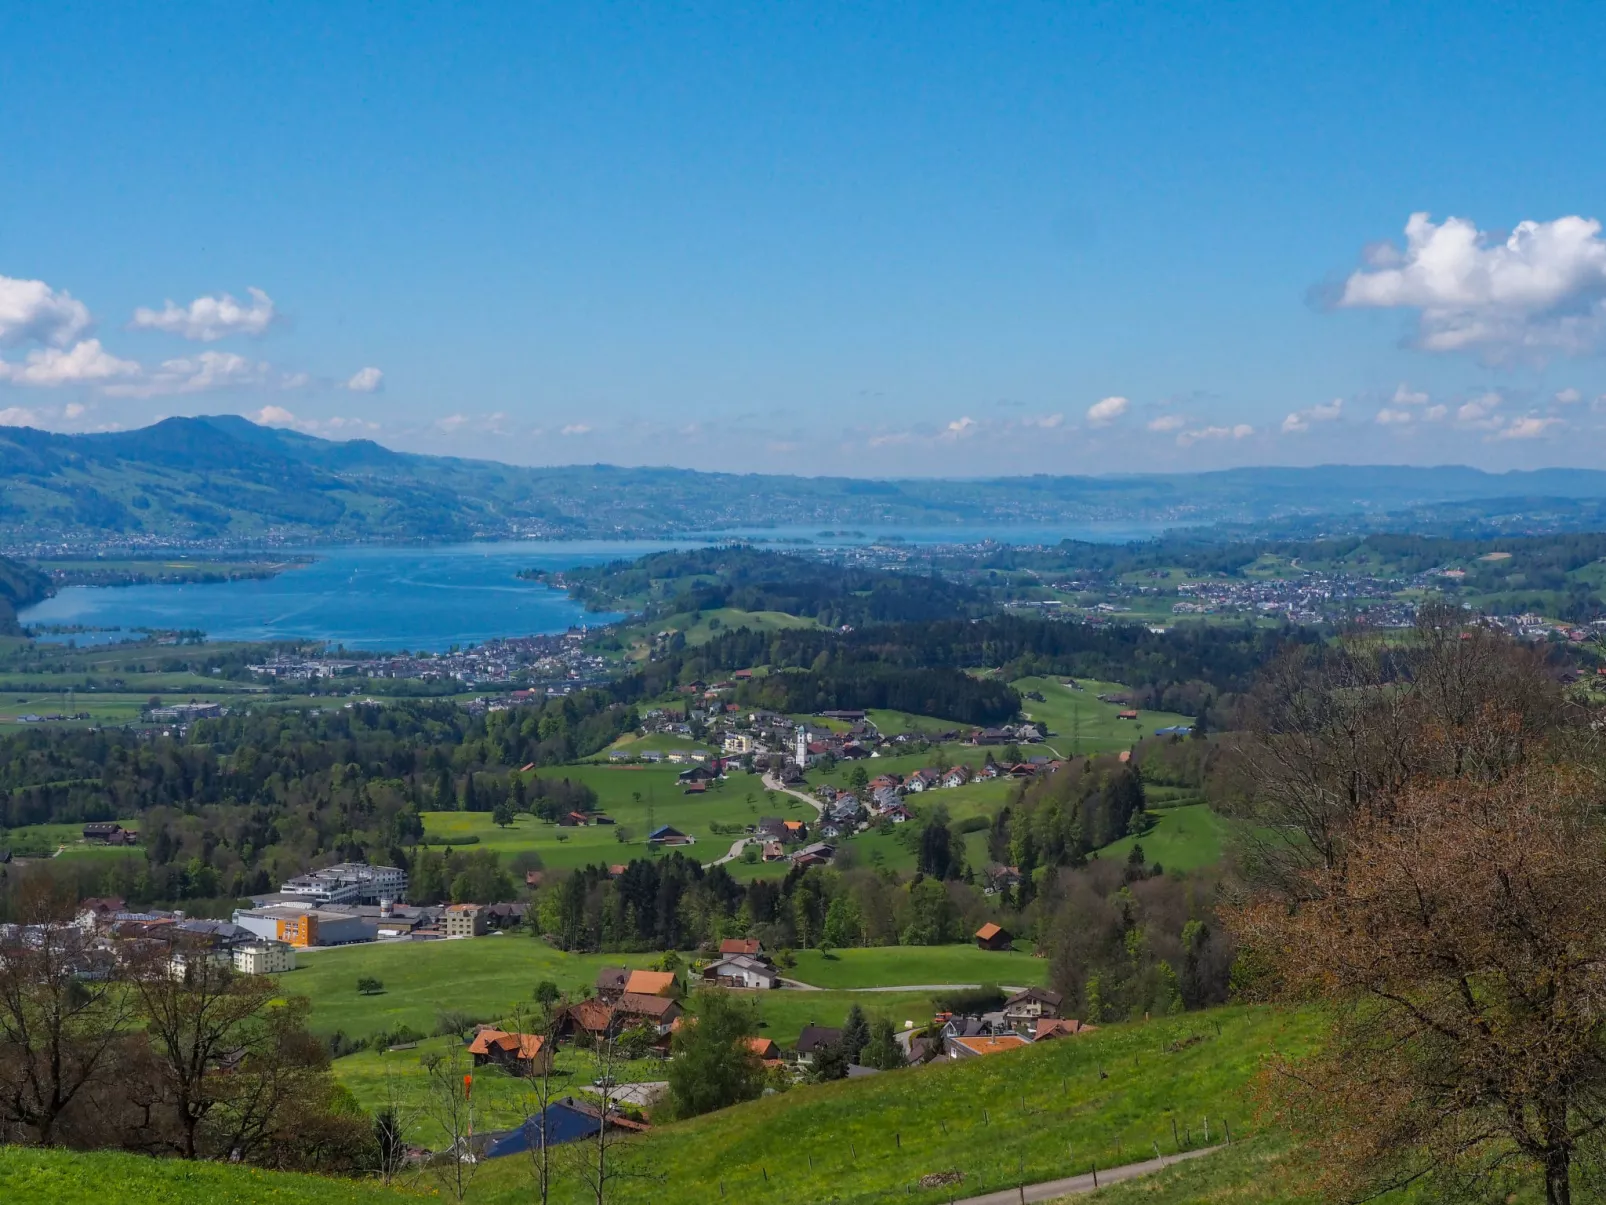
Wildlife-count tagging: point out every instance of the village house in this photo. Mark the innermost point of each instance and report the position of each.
(749, 946)
(264, 958)
(982, 1046)
(464, 920)
(517, 1053)
(741, 970)
(666, 835)
(812, 1041)
(1026, 1007)
(651, 983)
(1059, 1027)
(658, 1013)
(611, 983)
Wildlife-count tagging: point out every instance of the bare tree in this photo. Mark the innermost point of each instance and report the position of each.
(392, 1123)
(540, 1091)
(451, 1107)
(597, 1162)
(198, 1024)
(63, 1015)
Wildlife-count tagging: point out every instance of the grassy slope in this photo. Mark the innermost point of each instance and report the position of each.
(1079, 723)
(1030, 1115)
(875, 966)
(1183, 838)
(107, 1178)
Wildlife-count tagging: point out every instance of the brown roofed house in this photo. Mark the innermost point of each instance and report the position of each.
(657, 1011)
(742, 945)
(520, 1053)
(611, 982)
(651, 983)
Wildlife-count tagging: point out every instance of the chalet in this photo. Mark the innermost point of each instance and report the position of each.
(695, 774)
(611, 982)
(108, 833)
(885, 782)
(741, 970)
(994, 937)
(665, 835)
(772, 827)
(997, 877)
(774, 851)
(921, 780)
(956, 777)
(990, 736)
(749, 946)
(518, 1053)
(1031, 1004)
(989, 770)
(813, 1040)
(794, 830)
(594, 1018)
(572, 820)
(981, 1047)
(765, 1049)
(601, 818)
(1023, 769)
(96, 911)
(897, 813)
(651, 983)
(656, 1012)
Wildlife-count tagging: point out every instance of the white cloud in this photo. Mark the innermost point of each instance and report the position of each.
(960, 426)
(1167, 422)
(1198, 434)
(1436, 414)
(1390, 417)
(208, 319)
(274, 416)
(1568, 397)
(366, 380)
(1541, 289)
(1406, 396)
(73, 410)
(1046, 422)
(19, 416)
(32, 312)
(1103, 413)
(1480, 411)
(576, 429)
(85, 362)
(210, 370)
(1531, 427)
(1301, 420)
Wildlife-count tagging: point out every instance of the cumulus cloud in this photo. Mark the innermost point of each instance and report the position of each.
(1104, 412)
(451, 422)
(1046, 422)
(1480, 411)
(1199, 434)
(1436, 414)
(20, 416)
(1541, 289)
(1404, 395)
(1390, 417)
(207, 319)
(86, 362)
(960, 426)
(32, 312)
(366, 380)
(1531, 427)
(274, 416)
(1167, 422)
(1568, 397)
(208, 371)
(1301, 420)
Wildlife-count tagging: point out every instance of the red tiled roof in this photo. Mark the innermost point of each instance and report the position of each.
(988, 931)
(650, 983)
(740, 945)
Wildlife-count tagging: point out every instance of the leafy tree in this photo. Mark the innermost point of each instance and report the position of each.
(882, 1050)
(858, 778)
(855, 1033)
(502, 814)
(714, 1065)
(546, 993)
(368, 985)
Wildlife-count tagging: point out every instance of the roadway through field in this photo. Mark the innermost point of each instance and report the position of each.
(775, 784)
(1089, 1181)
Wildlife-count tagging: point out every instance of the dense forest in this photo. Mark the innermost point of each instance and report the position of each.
(751, 579)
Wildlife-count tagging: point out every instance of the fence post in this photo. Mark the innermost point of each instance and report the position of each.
(766, 1172)
(1175, 1140)
(1207, 1130)
(1157, 1150)
(1228, 1128)
(1095, 1175)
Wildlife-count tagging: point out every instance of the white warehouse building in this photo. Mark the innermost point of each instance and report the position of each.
(349, 883)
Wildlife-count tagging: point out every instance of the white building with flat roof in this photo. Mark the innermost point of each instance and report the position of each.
(349, 883)
(264, 958)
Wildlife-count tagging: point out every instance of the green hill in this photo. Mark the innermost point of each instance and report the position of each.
(20, 586)
(29, 1176)
(1029, 1115)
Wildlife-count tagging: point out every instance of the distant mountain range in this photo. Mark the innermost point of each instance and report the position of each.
(226, 481)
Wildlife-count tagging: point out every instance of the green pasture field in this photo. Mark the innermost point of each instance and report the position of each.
(656, 742)
(1078, 723)
(1022, 1116)
(29, 1174)
(874, 966)
(63, 840)
(1183, 838)
(895, 723)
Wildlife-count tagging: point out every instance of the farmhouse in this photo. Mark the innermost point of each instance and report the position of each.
(651, 983)
(813, 1040)
(750, 946)
(1029, 1005)
(994, 937)
(980, 1047)
(741, 970)
(109, 833)
(1059, 1027)
(519, 1053)
(665, 835)
(655, 1012)
(611, 982)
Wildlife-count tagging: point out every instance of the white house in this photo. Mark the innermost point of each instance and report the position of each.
(265, 958)
(740, 970)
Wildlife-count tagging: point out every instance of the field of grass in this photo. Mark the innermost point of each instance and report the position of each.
(29, 1175)
(894, 723)
(1023, 1116)
(1079, 723)
(45, 840)
(1183, 838)
(880, 965)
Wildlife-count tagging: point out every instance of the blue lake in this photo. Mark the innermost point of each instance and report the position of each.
(422, 598)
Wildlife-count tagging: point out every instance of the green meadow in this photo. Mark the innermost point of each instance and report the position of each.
(875, 966)
(1079, 723)
(1183, 838)
(1018, 1117)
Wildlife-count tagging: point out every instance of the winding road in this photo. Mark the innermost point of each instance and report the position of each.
(771, 783)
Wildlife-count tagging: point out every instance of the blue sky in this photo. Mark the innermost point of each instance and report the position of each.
(878, 239)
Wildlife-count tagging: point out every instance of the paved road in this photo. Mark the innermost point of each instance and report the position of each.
(771, 783)
(735, 852)
(1073, 1185)
(799, 985)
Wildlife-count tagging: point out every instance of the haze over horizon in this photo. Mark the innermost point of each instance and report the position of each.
(904, 241)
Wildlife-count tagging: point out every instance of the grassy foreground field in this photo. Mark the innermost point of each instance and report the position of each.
(1024, 1116)
(32, 1177)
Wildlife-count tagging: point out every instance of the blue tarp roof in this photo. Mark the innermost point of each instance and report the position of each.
(564, 1123)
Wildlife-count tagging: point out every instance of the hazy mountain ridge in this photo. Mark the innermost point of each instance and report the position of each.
(224, 479)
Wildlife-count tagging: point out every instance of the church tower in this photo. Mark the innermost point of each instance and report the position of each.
(802, 747)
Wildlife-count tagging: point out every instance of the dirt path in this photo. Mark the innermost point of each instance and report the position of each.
(772, 783)
(735, 852)
(1050, 1190)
